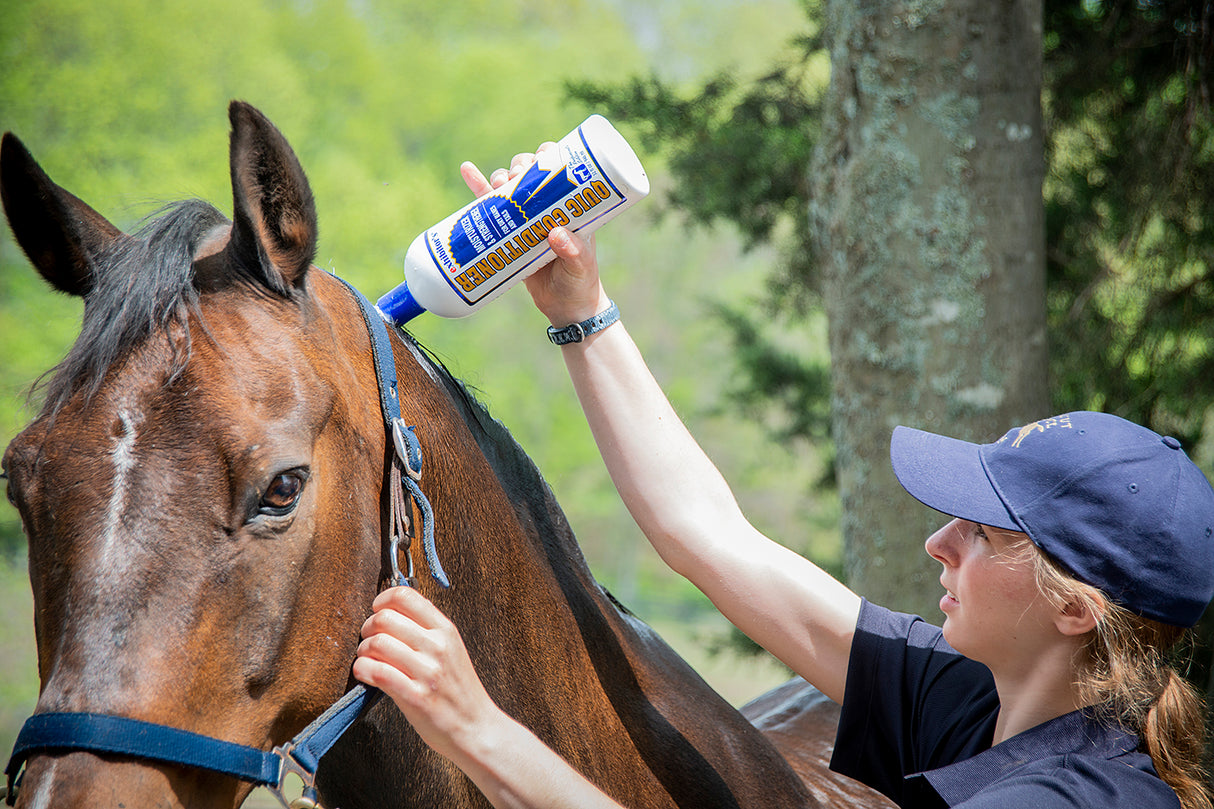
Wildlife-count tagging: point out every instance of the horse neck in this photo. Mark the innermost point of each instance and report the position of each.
(558, 653)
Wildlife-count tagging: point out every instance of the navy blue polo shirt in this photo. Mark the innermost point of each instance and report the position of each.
(918, 719)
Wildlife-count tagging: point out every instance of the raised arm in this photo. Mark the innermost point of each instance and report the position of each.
(677, 496)
(783, 601)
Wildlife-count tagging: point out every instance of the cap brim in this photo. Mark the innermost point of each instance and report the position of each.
(947, 474)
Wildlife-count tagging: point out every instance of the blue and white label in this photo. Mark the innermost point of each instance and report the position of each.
(500, 235)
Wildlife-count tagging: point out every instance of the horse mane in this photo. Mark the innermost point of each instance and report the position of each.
(140, 285)
(495, 440)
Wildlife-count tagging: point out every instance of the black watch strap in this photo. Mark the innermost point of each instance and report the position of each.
(577, 332)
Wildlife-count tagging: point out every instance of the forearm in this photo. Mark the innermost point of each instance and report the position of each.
(515, 770)
(413, 653)
(682, 503)
(669, 485)
(678, 497)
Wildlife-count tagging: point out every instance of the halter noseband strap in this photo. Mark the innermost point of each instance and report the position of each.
(100, 733)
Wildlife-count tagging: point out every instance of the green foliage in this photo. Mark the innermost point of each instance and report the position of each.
(1130, 145)
(739, 153)
(12, 542)
(1129, 218)
(800, 391)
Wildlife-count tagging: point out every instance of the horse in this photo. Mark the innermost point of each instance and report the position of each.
(206, 497)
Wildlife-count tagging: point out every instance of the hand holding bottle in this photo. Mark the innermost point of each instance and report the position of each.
(567, 289)
(476, 254)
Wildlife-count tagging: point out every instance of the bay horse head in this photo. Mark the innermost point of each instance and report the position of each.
(207, 465)
(206, 502)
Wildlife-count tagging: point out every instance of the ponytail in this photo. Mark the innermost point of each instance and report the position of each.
(1174, 736)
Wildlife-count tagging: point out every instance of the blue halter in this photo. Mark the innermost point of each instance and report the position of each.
(100, 733)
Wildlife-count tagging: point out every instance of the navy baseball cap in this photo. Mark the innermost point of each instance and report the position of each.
(1120, 507)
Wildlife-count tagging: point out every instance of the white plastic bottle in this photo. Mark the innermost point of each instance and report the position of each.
(477, 253)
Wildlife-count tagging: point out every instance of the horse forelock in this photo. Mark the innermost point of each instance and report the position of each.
(140, 286)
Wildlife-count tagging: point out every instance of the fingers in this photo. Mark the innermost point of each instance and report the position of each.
(409, 647)
(385, 668)
(568, 289)
(579, 264)
(474, 179)
(396, 650)
(480, 185)
(415, 655)
(407, 601)
(570, 246)
(410, 636)
(565, 288)
(520, 163)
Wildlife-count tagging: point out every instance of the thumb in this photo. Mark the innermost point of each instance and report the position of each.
(563, 245)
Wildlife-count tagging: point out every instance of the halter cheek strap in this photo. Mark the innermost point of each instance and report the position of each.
(404, 439)
(100, 733)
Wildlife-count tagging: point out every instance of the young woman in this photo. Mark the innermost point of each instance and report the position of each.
(1079, 550)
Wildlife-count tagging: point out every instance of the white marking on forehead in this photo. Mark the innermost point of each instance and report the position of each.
(123, 456)
(115, 554)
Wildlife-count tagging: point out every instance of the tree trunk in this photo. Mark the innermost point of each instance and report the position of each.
(927, 211)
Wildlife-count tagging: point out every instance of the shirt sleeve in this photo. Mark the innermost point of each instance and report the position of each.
(911, 703)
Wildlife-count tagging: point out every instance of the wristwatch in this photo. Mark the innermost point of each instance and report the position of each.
(577, 332)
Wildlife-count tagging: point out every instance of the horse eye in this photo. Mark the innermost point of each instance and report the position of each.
(283, 493)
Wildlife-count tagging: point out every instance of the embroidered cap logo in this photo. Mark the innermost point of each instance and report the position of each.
(1038, 427)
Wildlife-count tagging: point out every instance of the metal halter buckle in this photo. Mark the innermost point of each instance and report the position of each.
(404, 438)
(289, 766)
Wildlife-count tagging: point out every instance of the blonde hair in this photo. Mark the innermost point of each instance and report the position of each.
(1126, 673)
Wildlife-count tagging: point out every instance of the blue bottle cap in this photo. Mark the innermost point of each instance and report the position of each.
(399, 305)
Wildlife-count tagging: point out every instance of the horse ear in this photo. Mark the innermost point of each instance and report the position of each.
(274, 231)
(61, 235)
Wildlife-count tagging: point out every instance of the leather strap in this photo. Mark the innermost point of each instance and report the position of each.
(63, 732)
(381, 352)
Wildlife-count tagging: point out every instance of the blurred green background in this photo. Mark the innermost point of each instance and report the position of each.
(124, 103)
